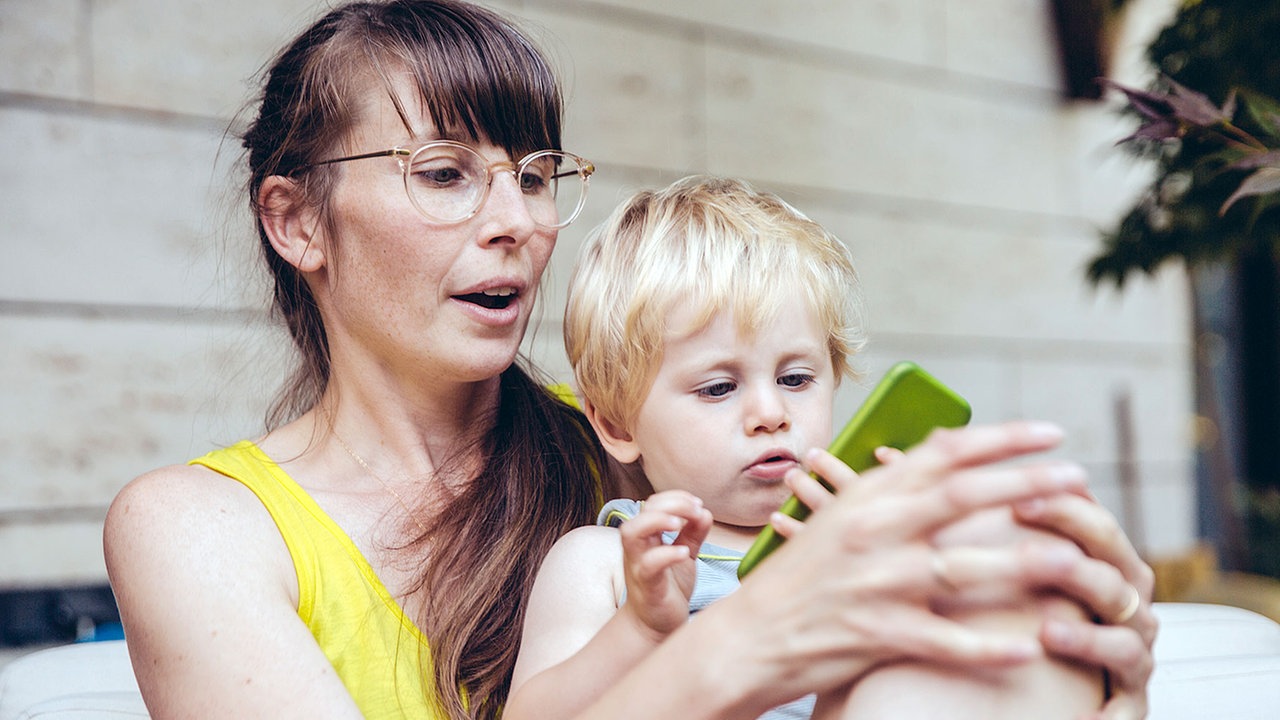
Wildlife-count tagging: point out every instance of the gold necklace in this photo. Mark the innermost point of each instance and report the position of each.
(385, 486)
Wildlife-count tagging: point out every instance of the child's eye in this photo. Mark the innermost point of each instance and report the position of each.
(717, 390)
(795, 380)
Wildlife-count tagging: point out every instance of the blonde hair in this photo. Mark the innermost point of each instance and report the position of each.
(707, 243)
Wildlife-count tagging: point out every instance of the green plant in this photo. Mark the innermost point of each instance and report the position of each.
(1182, 115)
(1217, 176)
(1210, 125)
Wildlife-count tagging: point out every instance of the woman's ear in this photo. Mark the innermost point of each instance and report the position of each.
(291, 223)
(616, 440)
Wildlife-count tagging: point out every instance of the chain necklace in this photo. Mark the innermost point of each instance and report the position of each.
(385, 486)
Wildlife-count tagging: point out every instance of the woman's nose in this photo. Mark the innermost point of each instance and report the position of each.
(506, 214)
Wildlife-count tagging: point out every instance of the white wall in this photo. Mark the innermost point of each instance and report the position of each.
(928, 133)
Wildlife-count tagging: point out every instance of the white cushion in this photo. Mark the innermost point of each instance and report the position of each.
(1221, 688)
(1196, 631)
(1212, 661)
(82, 681)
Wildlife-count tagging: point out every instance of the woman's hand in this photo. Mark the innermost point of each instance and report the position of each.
(1122, 640)
(660, 577)
(1108, 578)
(814, 494)
(853, 588)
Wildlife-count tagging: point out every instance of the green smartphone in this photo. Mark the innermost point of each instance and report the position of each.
(903, 408)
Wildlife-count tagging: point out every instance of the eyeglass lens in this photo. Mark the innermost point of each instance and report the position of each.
(449, 182)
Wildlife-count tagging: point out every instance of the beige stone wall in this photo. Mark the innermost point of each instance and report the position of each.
(928, 133)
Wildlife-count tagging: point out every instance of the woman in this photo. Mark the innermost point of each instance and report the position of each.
(402, 167)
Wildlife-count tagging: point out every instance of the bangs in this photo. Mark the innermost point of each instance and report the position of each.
(734, 267)
(477, 76)
(708, 250)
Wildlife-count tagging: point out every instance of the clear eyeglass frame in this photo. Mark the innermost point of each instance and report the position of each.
(578, 166)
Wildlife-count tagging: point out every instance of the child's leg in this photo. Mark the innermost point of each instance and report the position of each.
(1043, 688)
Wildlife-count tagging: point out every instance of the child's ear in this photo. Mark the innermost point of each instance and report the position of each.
(616, 440)
(291, 223)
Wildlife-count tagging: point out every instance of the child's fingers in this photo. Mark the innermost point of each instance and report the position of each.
(695, 529)
(646, 528)
(664, 512)
(672, 502)
(650, 566)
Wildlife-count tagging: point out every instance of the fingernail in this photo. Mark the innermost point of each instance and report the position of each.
(1040, 430)
(1067, 475)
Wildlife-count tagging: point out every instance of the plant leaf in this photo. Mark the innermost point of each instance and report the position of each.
(1162, 129)
(1262, 110)
(1271, 158)
(1154, 106)
(1195, 107)
(1261, 182)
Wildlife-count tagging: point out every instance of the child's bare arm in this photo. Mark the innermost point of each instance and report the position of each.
(577, 640)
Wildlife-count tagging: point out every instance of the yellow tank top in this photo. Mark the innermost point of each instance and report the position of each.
(379, 653)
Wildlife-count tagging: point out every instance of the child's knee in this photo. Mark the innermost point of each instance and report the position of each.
(997, 528)
(992, 527)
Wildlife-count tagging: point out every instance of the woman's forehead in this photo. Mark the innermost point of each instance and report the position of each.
(396, 114)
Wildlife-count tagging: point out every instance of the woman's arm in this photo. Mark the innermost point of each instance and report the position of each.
(208, 596)
(1109, 580)
(853, 589)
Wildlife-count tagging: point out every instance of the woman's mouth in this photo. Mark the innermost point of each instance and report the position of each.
(494, 299)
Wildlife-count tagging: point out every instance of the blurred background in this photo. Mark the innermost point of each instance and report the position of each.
(959, 147)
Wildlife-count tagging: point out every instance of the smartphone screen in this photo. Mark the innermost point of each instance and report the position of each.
(903, 408)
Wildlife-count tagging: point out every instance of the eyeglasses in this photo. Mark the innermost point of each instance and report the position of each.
(448, 181)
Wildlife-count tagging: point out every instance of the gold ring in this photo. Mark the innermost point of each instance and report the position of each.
(1130, 609)
(938, 567)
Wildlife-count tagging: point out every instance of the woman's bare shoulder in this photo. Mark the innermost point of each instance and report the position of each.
(177, 495)
(208, 594)
(175, 514)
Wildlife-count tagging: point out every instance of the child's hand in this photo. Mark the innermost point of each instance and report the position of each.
(660, 577)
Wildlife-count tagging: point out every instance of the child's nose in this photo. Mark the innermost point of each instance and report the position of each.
(767, 412)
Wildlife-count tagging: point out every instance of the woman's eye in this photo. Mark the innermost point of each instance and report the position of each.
(795, 380)
(532, 182)
(716, 390)
(439, 175)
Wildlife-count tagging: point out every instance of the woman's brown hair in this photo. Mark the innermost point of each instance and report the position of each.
(478, 75)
